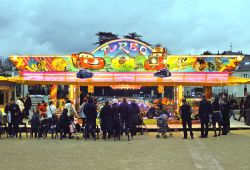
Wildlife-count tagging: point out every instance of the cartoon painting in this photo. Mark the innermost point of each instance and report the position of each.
(126, 55)
(88, 61)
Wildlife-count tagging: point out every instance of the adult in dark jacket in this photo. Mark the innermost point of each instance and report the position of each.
(204, 110)
(14, 115)
(247, 109)
(27, 105)
(185, 112)
(107, 119)
(64, 123)
(90, 111)
(225, 109)
(133, 117)
(117, 118)
(123, 110)
(216, 116)
(242, 112)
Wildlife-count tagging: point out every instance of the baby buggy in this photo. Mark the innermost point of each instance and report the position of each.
(162, 126)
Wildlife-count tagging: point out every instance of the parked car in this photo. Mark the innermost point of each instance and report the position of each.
(83, 74)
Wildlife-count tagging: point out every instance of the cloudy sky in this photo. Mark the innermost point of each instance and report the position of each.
(66, 27)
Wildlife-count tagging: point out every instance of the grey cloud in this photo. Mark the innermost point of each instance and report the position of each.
(65, 27)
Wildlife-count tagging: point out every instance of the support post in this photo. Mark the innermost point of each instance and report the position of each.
(208, 92)
(77, 97)
(53, 92)
(179, 94)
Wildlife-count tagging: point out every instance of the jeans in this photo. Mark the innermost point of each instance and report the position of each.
(231, 113)
(91, 127)
(204, 128)
(184, 125)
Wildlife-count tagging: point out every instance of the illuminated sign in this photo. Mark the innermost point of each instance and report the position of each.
(126, 55)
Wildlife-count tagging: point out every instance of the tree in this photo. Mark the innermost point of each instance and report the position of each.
(207, 53)
(167, 50)
(158, 45)
(104, 37)
(135, 36)
(8, 65)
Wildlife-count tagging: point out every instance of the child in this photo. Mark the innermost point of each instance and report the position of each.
(35, 124)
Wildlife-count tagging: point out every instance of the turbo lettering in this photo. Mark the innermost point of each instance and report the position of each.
(123, 46)
(105, 49)
(143, 50)
(113, 49)
(133, 46)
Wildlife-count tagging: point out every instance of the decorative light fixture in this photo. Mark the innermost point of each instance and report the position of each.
(126, 86)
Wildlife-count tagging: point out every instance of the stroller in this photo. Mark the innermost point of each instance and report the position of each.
(75, 128)
(162, 126)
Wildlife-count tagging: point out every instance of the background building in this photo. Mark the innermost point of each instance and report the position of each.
(243, 70)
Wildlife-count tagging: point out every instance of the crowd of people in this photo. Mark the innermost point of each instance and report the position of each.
(114, 118)
(117, 118)
(219, 110)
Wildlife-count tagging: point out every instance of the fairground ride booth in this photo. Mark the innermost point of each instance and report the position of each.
(7, 90)
(127, 63)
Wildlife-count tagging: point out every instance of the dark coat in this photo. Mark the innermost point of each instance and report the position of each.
(185, 111)
(117, 117)
(13, 109)
(123, 110)
(107, 118)
(225, 109)
(64, 121)
(35, 121)
(28, 103)
(90, 111)
(216, 106)
(205, 109)
(133, 114)
(115, 110)
(247, 102)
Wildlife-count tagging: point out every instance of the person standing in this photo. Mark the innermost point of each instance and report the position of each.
(185, 112)
(81, 113)
(232, 105)
(225, 114)
(13, 111)
(71, 110)
(117, 118)
(90, 110)
(51, 113)
(107, 119)
(247, 109)
(64, 123)
(204, 110)
(20, 103)
(123, 110)
(242, 112)
(27, 105)
(133, 118)
(216, 116)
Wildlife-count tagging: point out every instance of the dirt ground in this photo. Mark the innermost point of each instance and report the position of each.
(144, 152)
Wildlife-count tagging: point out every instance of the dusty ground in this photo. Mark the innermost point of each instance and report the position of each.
(144, 152)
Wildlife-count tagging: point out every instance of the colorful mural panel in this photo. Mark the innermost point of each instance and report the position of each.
(124, 55)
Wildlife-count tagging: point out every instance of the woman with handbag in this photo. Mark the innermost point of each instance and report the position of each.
(71, 110)
(51, 117)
